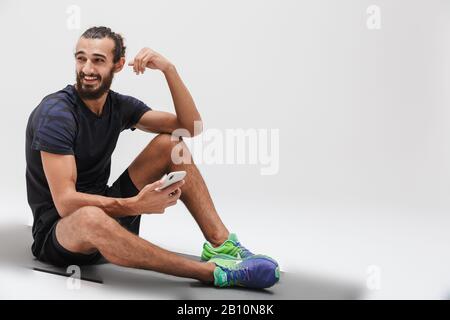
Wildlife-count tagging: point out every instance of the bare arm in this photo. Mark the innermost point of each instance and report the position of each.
(158, 122)
(187, 115)
(185, 108)
(61, 174)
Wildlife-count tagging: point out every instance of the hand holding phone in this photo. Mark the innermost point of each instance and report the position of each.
(171, 178)
(153, 199)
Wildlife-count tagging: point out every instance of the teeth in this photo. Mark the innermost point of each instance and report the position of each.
(90, 78)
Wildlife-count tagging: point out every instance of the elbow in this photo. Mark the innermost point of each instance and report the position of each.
(62, 205)
(63, 210)
(197, 128)
(189, 130)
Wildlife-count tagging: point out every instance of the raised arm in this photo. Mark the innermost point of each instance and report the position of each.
(187, 115)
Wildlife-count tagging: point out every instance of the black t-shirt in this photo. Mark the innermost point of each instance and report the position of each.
(63, 124)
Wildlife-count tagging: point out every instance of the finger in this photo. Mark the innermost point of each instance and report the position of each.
(145, 59)
(172, 203)
(155, 185)
(142, 53)
(144, 64)
(136, 65)
(132, 64)
(173, 187)
(175, 194)
(137, 62)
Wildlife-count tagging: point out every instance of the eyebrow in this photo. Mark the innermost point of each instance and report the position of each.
(94, 54)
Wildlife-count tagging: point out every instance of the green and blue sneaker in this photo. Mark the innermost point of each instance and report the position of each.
(231, 247)
(253, 272)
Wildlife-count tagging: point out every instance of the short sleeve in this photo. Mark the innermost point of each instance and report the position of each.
(132, 110)
(55, 129)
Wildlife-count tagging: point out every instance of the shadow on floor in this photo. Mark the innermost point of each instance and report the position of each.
(15, 244)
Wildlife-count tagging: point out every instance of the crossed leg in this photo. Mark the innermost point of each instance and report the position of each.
(89, 228)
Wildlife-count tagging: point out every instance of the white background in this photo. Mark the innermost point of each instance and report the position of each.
(363, 118)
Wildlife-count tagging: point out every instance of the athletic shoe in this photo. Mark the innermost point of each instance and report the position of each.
(231, 247)
(253, 272)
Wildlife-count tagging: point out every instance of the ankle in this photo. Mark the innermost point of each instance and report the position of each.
(218, 240)
(208, 276)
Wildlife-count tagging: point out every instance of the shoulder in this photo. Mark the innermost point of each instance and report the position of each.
(58, 104)
(126, 100)
(55, 109)
(61, 100)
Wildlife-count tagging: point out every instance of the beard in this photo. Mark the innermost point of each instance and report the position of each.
(93, 91)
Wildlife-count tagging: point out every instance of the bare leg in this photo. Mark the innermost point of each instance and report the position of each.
(89, 229)
(155, 160)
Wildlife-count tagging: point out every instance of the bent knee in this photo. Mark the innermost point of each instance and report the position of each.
(90, 217)
(165, 141)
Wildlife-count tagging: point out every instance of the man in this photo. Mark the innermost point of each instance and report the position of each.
(78, 219)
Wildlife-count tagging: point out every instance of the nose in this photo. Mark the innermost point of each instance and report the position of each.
(88, 68)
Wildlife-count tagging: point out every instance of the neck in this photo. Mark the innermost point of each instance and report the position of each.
(96, 105)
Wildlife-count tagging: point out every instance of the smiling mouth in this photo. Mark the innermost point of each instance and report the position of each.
(89, 79)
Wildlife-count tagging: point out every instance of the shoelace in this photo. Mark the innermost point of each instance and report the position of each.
(244, 251)
(236, 275)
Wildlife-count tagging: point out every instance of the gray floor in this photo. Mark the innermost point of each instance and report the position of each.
(15, 245)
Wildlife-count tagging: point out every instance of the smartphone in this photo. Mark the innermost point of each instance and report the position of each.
(171, 178)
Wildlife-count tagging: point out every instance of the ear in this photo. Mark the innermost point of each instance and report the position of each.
(118, 66)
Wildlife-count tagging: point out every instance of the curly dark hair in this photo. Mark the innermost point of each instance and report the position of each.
(105, 32)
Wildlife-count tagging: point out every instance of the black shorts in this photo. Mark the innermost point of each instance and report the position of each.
(51, 251)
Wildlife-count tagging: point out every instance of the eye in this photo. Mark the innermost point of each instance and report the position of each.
(99, 60)
(81, 58)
